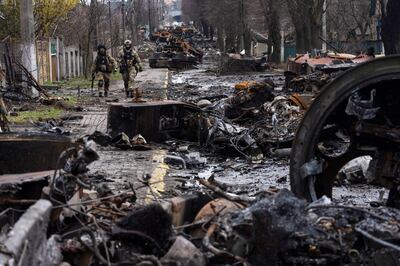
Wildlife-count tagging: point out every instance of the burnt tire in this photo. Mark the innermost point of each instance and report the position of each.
(330, 98)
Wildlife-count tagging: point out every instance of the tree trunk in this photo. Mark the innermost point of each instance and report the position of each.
(247, 41)
(390, 25)
(91, 40)
(220, 39)
(211, 32)
(205, 28)
(272, 18)
(300, 45)
(306, 17)
(275, 33)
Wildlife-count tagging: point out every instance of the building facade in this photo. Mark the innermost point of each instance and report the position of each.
(57, 61)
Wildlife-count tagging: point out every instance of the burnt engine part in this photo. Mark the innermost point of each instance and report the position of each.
(155, 121)
(147, 228)
(28, 152)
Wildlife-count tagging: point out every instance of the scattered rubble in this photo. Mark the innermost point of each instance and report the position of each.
(185, 210)
(89, 225)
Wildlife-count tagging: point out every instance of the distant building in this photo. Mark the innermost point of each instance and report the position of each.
(174, 11)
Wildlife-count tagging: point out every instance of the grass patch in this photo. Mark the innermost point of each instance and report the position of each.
(116, 76)
(81, 81)
(43, 113)
(71, 100)
(74, 83)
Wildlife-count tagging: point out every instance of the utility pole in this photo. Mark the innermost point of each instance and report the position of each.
(243, 26)
(324, 30)
(123, 20)
(28, 53)
(110, 24)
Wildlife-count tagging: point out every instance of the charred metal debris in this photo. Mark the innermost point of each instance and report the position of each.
(178, 48)
(78, 221)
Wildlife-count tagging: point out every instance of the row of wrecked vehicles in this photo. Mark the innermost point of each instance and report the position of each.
(176, 48)
(80, 222)
(183, 48)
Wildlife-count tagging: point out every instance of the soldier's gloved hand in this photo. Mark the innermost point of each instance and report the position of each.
(93, 75)
(140, 68)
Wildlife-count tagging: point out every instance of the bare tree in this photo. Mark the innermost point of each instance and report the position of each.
(349, 24)
(306, 16)
(272, 15)
(135, 9)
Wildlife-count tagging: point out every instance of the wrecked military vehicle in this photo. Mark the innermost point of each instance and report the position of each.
(175, 49)
(355, 115)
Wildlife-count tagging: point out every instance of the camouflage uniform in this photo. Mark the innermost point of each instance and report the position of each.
(129, 65)
(102, 68)
(3, 117)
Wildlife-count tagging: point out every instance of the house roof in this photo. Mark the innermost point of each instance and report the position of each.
(258, 37)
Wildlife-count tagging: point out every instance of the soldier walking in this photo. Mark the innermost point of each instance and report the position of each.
(102, 68)
(129, 65)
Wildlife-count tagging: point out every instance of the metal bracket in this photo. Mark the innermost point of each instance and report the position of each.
(363, 109)
(311, 168)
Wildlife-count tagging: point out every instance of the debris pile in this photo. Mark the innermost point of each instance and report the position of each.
(55, 210)
(254, 117)
(288, 231)
(87, 223)
(146, 49)
(310, 74)
(240, 63)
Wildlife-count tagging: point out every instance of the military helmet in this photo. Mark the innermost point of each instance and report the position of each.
(128, 44)
(101, 46)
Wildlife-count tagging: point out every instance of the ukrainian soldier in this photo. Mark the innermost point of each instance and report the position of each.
(129, 65)
(102, 68)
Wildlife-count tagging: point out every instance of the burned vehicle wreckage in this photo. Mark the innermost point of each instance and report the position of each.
(56, 211)
(355, 115)
(176, 49)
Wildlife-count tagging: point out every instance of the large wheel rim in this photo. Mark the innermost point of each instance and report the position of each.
(332, 96)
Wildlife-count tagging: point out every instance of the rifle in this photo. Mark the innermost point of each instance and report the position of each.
(123, 66)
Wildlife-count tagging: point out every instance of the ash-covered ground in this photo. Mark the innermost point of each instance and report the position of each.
(240, 175)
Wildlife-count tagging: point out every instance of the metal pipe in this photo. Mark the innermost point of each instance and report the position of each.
(280, 152)
(176, 158)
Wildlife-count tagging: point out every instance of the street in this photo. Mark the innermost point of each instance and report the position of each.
(199, 132)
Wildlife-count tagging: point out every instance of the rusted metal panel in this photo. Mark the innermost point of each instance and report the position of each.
(26, 177)
(153, 120)
(30, 152)
(27, 243)
(304, 64)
